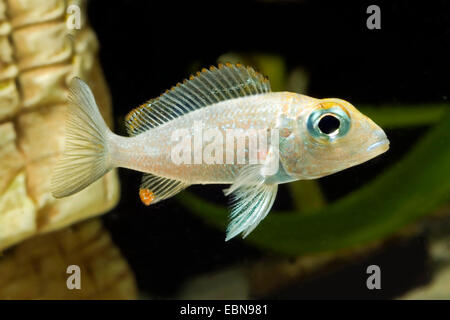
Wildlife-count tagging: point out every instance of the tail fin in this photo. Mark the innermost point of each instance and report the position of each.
(85, 158)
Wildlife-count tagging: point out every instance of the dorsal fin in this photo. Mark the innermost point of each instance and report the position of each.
(207, 87)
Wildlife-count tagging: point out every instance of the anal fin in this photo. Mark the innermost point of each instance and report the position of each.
(154, 188)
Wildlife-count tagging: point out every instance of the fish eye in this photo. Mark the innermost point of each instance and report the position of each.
(328, 124)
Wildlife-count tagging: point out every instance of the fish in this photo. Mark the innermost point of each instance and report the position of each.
(182, 138)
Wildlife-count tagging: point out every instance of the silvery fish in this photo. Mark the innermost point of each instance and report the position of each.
(298, 137)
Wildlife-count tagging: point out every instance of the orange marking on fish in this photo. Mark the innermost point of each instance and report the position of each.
(146, 196)
(129, 114)
(135, 110)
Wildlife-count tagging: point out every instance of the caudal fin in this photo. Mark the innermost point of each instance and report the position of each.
(85, 158)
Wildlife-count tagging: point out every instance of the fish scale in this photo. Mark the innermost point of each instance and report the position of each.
(220, 116)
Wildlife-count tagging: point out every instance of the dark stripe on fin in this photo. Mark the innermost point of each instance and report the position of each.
(228, 81)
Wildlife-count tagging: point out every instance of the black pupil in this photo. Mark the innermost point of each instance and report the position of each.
(329, 124)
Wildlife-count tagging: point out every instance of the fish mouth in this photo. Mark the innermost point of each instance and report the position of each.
(384, 144)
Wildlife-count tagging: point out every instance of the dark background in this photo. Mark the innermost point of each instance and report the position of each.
(146, 47)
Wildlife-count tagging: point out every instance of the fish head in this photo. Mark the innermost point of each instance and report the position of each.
(334, 135)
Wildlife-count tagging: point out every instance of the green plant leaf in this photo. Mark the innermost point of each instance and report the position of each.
(306, 195)
(390, 117)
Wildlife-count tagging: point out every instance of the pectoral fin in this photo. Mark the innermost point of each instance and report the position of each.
(252, 200)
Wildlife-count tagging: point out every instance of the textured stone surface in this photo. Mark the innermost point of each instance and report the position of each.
(36, 268)
(38, 57)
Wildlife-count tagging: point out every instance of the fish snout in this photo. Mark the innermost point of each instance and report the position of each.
(381, 142)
